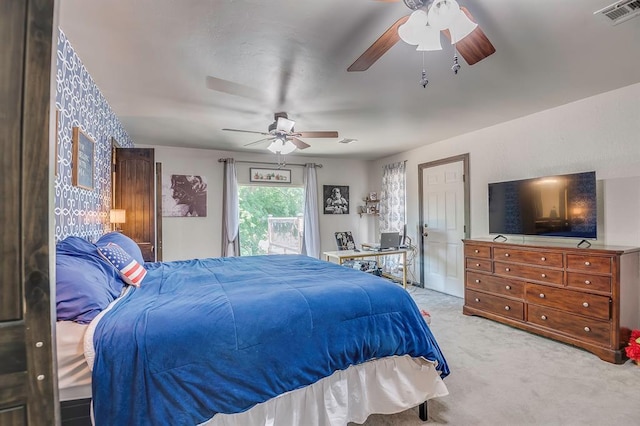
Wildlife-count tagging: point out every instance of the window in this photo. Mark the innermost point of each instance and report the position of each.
(271, 219)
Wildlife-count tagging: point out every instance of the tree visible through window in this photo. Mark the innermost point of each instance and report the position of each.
(271, 219)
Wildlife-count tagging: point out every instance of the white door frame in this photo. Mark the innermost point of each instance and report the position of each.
(467, 198)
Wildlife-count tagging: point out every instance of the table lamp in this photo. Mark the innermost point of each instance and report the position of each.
(116, 217)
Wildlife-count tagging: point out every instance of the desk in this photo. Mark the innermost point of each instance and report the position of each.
(342, 255)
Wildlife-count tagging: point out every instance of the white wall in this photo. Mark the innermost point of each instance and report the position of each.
(198, 237)
(600, 133)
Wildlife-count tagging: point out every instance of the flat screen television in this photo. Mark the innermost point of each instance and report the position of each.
(554, 206)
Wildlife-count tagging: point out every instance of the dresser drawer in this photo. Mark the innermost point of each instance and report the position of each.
(528, 256)
(591, 263)
(586, 329)
(534, 273)
(494, 304)
(476, 250)
(600, 283)
(493, 284)
(576, 302)
(478, 264)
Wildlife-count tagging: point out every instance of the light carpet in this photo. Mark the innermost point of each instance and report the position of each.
(505, 376)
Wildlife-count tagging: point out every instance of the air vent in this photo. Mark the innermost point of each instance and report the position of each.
(620, 11)
(347, 141)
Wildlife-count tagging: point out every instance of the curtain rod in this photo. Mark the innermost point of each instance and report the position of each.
(222, 160)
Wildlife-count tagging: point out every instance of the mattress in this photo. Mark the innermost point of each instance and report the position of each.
(74, 375)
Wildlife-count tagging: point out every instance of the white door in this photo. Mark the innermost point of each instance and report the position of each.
(443, 213)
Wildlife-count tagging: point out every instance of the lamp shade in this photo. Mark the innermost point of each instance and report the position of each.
(282, 147)
(287, 148)
(442, 13)
(410, 30)
(461, 27)
(275, 146)
(117, 216)
(429, 39)
(416, 31)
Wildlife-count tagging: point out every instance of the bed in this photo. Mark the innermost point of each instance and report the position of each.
(281, 339)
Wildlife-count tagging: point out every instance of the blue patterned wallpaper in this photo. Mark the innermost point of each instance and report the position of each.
(81, 212)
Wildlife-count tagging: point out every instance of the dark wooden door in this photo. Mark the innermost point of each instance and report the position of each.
(134, 189)
(27, 378)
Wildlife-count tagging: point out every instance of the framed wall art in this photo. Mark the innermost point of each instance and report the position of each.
(184, 196)
(83, 159)
(336, 199)
(269, 175)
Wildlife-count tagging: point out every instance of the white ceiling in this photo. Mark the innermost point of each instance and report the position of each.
(151, 58)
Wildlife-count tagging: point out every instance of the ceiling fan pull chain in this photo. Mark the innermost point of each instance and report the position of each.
(456, 66)
(423, 76)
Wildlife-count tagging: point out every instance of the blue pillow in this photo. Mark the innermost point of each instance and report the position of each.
(123, 241)
(85, 283)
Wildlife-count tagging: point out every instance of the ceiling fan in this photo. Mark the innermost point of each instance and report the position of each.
(284, 138)
(473, 47)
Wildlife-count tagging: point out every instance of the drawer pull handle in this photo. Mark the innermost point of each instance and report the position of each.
(585, 304)
(507, 269)
(587, 329)
(587, 263)
(544, 275)
(477, 265)
(543, 258)
(587, 282)
(544, 318)
(508, 287)
(506, 255)
(477, 300)
(507, 308)
(541, 295)
(476, 251)
(477, 281)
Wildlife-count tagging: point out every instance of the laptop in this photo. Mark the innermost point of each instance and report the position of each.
(389, 240)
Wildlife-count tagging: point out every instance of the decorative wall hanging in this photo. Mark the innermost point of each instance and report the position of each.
(270, 175)
(336, 199)
(83, 159)
(184, 196)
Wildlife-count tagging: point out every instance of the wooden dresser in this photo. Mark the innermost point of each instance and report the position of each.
(589, 298)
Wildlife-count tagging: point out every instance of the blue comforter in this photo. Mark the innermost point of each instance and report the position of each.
(210, 336)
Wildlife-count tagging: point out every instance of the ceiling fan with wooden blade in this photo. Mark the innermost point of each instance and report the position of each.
(281, 132)
(473, 47)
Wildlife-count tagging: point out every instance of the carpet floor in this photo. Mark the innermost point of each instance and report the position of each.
(504, 376)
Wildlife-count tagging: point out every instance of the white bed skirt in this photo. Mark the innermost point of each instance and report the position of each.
(384, 386)
(74, 376)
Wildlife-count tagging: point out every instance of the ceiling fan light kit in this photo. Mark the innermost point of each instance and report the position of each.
(422, 29)
(280, 146)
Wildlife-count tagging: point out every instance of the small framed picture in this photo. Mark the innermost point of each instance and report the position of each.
(83, 160)
(269, 175)
(373, 196)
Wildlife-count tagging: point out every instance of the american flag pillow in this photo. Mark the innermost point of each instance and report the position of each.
(130, 270)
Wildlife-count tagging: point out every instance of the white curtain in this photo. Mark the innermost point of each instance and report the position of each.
(311, 236)
(230, 210)
(392, 198)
